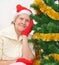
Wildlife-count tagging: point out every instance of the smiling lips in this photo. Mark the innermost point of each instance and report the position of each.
(22, 25)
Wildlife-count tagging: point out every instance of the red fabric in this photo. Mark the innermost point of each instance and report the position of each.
(27, 62)
(20, 7)
(28, 29)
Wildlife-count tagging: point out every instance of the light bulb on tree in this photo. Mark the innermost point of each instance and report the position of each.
(57, 2)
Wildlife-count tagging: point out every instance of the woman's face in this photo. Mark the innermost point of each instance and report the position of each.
(21, 22)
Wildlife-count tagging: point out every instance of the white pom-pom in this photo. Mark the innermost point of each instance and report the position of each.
(18, 63)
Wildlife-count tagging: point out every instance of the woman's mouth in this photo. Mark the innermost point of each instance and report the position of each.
(22, 25)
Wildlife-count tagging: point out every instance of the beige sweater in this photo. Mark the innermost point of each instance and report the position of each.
(10, 46)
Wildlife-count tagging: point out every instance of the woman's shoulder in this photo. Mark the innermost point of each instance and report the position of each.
(5, 30)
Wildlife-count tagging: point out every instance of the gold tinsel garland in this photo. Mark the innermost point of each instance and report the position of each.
(36, 62)
(47, 10)
(55, 56)
(46, 37)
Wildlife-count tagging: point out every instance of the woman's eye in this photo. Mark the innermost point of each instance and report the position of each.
(21, 18)
(27, 20)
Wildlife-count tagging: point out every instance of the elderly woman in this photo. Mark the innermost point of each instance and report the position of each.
(14, 45)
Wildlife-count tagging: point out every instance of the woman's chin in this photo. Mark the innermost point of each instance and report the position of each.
(20, 30)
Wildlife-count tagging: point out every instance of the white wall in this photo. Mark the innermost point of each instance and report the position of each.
(7, 9)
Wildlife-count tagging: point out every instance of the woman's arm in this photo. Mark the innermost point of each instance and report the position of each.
(26, 50)
(6, 62)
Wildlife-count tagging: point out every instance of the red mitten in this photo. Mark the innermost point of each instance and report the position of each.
(25, 61)
(28, 29)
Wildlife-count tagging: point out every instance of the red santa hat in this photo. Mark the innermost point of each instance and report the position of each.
(21, 9)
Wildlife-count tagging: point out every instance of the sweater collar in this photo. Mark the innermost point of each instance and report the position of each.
(11, 33)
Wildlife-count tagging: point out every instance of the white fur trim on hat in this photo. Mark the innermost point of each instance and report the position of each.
(24, 11)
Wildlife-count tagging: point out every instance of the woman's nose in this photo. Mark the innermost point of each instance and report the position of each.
(23, 21)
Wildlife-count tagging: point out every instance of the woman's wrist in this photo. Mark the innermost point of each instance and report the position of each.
(24, 39)
(24, 36)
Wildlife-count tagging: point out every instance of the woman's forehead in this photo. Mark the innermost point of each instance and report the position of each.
(24, 16)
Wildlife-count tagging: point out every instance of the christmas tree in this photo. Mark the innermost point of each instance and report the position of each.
(46, 31)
